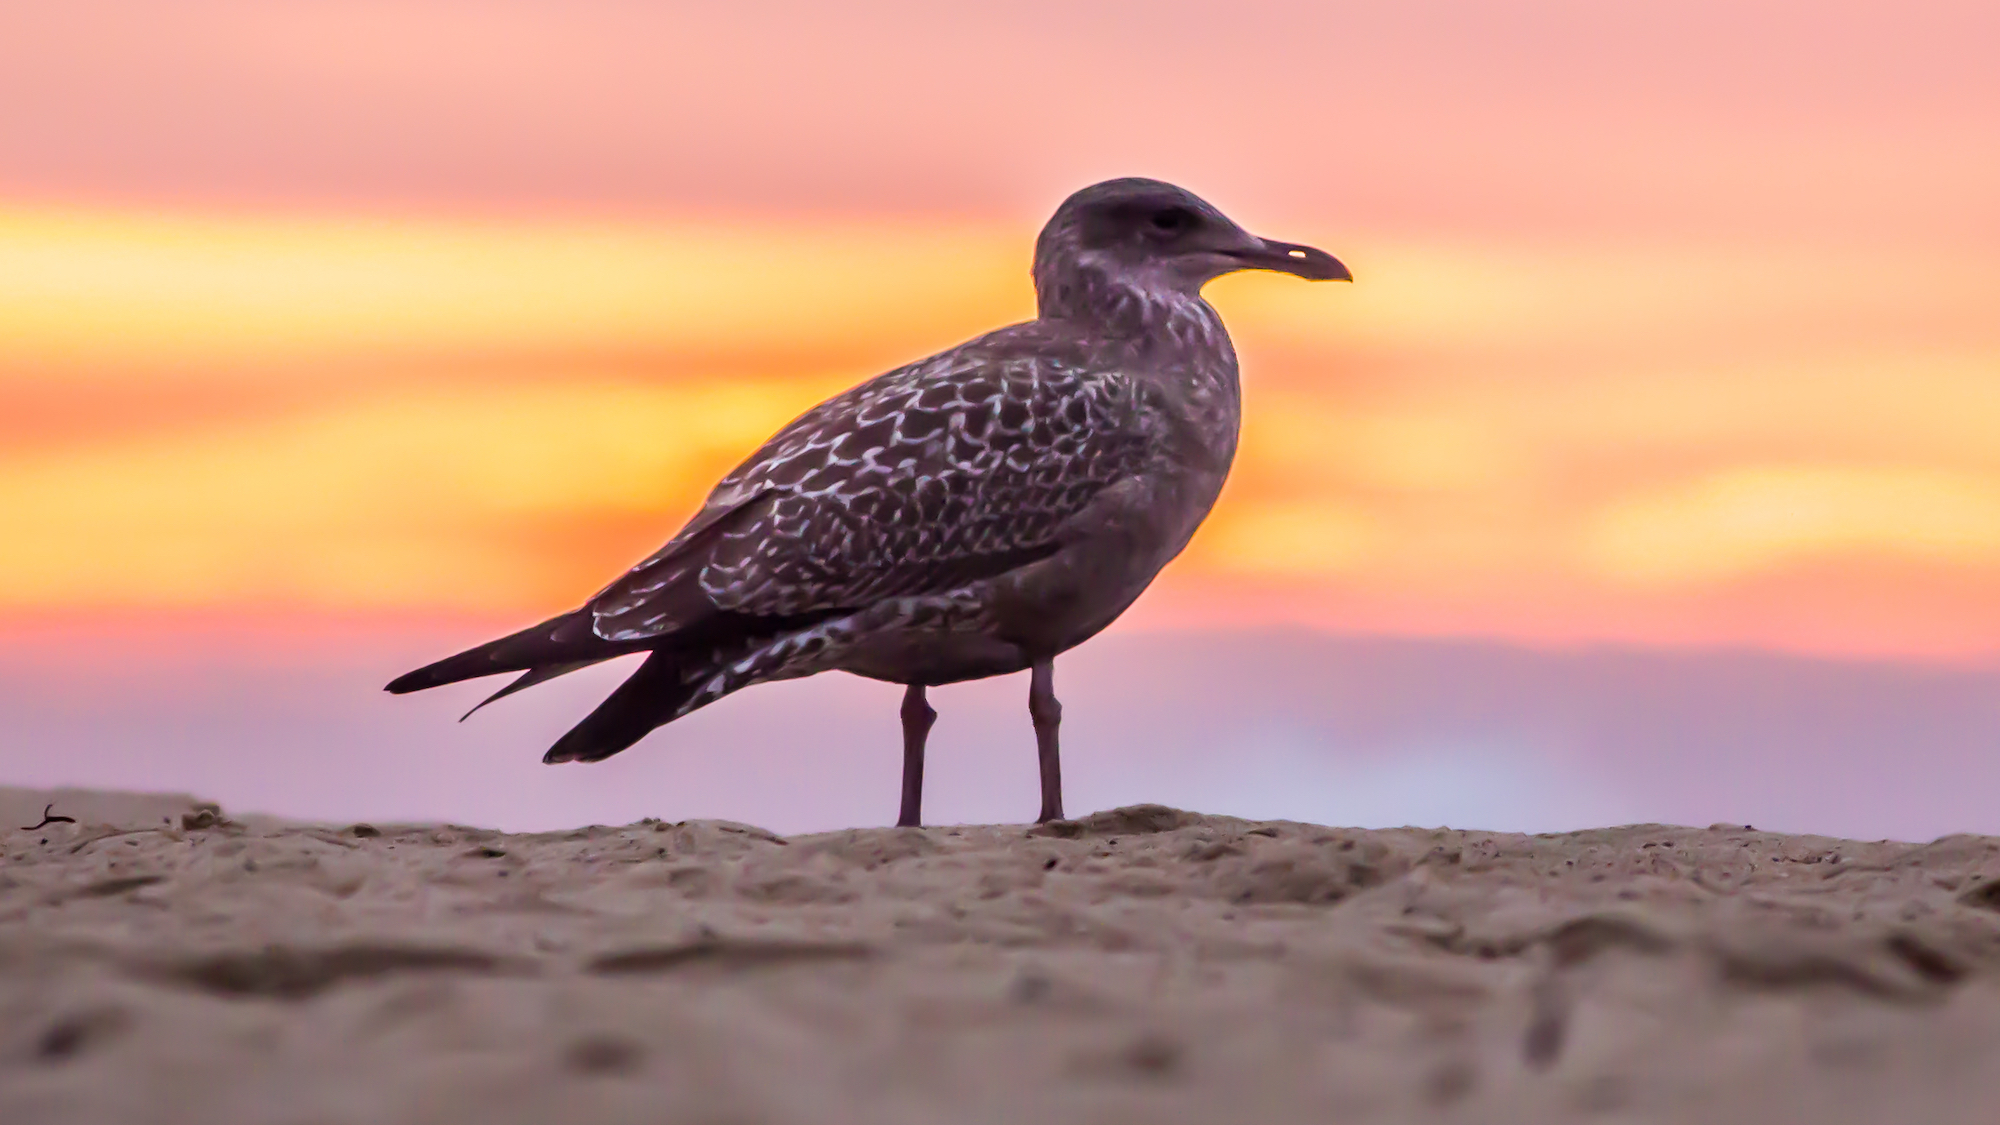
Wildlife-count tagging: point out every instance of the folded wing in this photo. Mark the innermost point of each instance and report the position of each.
(924, 481)
(920, 482)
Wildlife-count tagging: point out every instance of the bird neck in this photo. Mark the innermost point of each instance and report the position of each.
(1151, 312)
(1179, 340)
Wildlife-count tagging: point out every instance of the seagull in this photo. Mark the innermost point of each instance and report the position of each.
(973, 514)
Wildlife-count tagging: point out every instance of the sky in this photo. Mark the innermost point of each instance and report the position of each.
(1674, 326)
(1281, 723)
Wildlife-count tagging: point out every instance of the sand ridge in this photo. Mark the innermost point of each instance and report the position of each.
(161, 961)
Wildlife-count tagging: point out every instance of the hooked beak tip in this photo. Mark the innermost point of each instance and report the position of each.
(1300, 261)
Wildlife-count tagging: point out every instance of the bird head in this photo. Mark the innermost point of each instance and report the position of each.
(1153, 235)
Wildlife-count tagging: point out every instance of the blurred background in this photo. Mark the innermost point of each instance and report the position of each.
(1651, 471)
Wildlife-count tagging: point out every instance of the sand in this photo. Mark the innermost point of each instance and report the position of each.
(163, 962)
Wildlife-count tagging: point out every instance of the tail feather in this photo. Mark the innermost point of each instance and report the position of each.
(649, 698)
(678, 666)
(672, 682)
(541, 673)
(567, 639)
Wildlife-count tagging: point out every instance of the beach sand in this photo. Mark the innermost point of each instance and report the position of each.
(161, 961)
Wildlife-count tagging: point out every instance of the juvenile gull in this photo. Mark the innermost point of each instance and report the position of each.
(972, 514)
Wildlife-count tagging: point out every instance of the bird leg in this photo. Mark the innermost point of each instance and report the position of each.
(917, 719)
(1047, 714)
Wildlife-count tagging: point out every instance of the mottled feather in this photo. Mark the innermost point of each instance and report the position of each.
(935, 475)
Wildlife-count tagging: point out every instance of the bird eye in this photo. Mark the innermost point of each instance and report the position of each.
(1173, 219)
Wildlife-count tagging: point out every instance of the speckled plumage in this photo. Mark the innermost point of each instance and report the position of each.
(971, 514)
(950, 469)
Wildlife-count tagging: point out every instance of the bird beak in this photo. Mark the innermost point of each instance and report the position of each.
(1289, 257)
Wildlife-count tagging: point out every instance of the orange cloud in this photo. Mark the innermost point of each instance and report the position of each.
(1760, 518)
(404, 501)
(94, 288)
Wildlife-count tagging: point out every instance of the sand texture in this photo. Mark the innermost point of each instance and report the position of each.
(160, 962)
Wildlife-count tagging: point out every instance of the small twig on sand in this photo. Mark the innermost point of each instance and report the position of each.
(48, 820)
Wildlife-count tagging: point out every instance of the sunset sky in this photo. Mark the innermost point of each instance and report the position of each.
(1674, 325)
